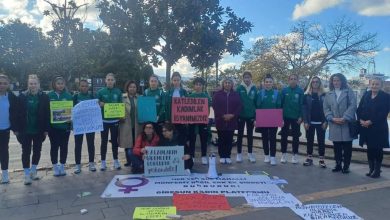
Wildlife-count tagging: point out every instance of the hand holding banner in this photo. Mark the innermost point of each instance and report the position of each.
(190, 111)
(60, 111)
(87, 117)
(114, 110)
(269, 118)
(164, 161)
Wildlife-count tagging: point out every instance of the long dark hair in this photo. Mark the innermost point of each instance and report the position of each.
(342, 78)
(143, 130)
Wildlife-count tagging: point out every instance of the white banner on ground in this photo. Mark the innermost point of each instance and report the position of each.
(87, 117)
(259, 200)
(164, 161)
(228, 184)
(324, 212)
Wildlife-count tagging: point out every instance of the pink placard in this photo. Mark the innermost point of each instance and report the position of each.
(269, 118)
(190, 111)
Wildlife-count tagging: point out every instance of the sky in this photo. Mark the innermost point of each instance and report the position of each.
(269, 17)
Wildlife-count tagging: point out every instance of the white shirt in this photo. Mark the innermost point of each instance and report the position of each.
(338, 93)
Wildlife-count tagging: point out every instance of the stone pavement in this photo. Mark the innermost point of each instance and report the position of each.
(55, 198)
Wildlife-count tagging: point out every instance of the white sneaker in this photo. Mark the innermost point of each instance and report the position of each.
(251, 158)
(62, 170)
(103, 166)
(4, 177)
(273, 161)
(188, 172)
(228, 160)
(34, 174)
(56, 170)
(266, 159)
(27, 179)
(238, 158)
(77, 169)
(117, 165)
(204, 160)
(92, 167)
(294, 159)
(222, 160)
(283, 159)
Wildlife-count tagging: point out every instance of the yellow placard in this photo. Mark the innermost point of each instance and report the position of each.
(153, 212)
(60, 111)
(114, 110)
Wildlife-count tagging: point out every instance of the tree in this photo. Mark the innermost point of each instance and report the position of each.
(311, 49)
(22, 49)
(173, 29)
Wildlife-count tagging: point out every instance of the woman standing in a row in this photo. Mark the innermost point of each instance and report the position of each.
(374, 132)
(339, 109)
(33, 126)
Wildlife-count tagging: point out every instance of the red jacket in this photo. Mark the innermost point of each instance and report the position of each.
(140, 144)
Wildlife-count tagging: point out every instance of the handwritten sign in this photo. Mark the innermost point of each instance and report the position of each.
(87, 117)
(271, 200)
(114, 110)
(234, 185)
(153, 212)
(146, 109)
(324, 212)
(190, 111)
(60, 111)
(164, 161)
(200, 202)
(269, 118)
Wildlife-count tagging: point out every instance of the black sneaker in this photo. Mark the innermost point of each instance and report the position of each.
(337, 168)
(322, 164)
(308, 162)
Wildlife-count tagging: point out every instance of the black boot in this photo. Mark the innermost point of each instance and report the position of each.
(337, 168)
(345, 169)
(371, 167)
(377, 169)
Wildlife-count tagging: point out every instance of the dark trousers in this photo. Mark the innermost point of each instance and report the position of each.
(375, 157)
(113, 129)
(268, 136)
(225, 139)
(78, 139)
(320, 139)
(4, 154)
(34, 142)
(342, 152)
(58, 140)
(295, 133)
(203, 133)
(249, 133)
(182, 133)
(138, 162)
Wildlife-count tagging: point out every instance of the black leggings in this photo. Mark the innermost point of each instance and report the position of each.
(58, 140)
(203, 132)
(4, 154)
(113, 129)
(268, 136)
(295, 132)
(249, 133)
(26, 140)
(316, 128)
(225, 139)
(78, 139)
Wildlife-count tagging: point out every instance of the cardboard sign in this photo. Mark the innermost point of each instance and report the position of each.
(190, 111)
(269, 118)
(324, 212)
(164, 161)
(200, 202)
(153, 212)
(87, 117)
(114, 110)
(234, 185)
(146, 109)
(60, 111)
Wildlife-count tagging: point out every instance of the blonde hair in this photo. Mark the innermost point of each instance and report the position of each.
(34, 77)
(309, 87)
